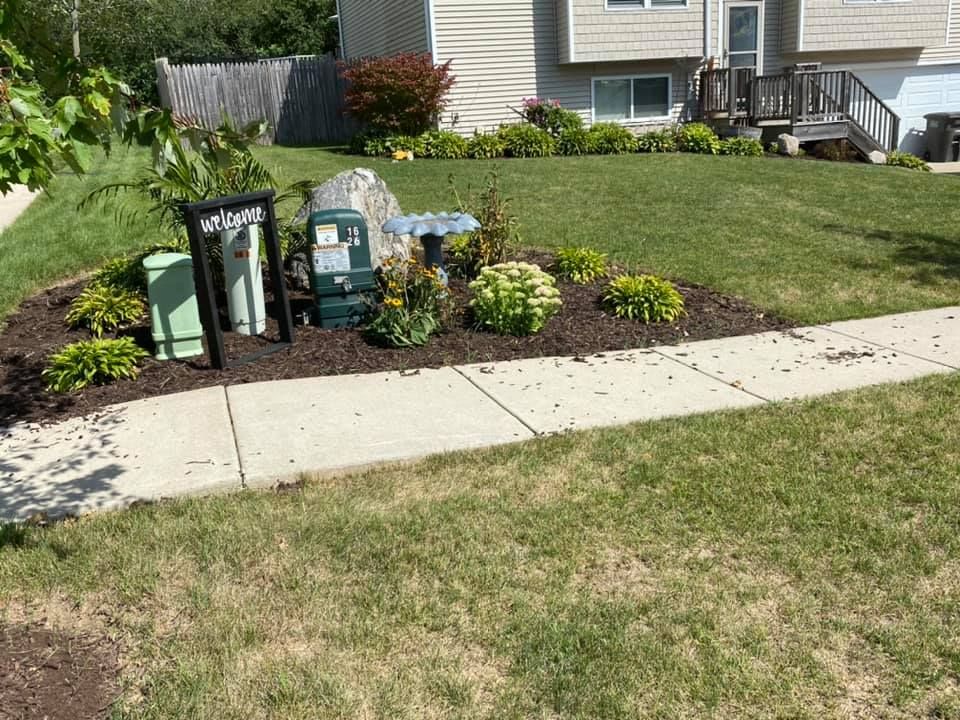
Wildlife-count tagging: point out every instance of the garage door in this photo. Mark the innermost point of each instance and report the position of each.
(912, 93)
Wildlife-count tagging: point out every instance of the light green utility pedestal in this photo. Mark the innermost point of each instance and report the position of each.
(174, 314)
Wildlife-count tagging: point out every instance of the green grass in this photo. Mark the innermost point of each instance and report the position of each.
(813, 241)
(797, 561)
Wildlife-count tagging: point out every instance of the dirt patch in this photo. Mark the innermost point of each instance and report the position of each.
(52, 675)
(582, 328)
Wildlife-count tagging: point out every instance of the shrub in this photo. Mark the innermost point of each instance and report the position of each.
(575, 141)
(643, 297)
(403, 94)
(406, 143)
(93, 362)
(527, 141)
(122, 274)
(835, 151)
(485, 147)
(415, 304)
(105, 308)
(698, 138)
(743, 146)
(445, 145)
(514, 298)
(498, 231)
(582, 265)
(370, 143)
(657, 141)
(907, 160)
(550, 116)
(610, 138)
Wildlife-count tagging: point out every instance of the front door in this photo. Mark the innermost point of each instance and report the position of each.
(742, 51)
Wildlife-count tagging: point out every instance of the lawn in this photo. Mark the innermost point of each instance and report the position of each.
(813, 241)
(794, 561)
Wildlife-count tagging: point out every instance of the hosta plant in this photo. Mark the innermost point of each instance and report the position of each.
(609, 138)
(575, 141)
(907, 160)
(644, 297)
(105, 308)
(514, 298)
(698, 138)
(415, 304)
(743, 146)
(93, 362)
(582, 265)
(527, 141)
(122, 274)
(657, 141)
(485, 147)
(445, 145)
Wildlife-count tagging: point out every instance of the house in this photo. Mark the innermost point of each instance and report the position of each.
(877, 63)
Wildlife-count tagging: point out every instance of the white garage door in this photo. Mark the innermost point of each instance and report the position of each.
(912, 93)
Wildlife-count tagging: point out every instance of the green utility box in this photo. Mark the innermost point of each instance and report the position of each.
(341, 270)
(174, 315)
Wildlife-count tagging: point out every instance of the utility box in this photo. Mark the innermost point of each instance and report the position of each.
(174, 315)
(943, 129)
(341, 269)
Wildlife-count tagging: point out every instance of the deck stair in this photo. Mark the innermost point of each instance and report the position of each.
(811, 105)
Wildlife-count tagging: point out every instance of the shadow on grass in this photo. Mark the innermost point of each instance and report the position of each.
(934, 257)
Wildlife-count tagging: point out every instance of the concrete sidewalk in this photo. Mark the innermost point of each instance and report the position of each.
(13, 204)
(256, 435)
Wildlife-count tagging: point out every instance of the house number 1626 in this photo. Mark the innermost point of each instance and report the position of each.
(353, 236)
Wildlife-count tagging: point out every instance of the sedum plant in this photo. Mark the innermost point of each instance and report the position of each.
(514, 298)
(644, 297)
(93, 362)
(581, 265)
(105, 308)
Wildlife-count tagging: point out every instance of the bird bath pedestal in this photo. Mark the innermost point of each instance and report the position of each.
(432, 229)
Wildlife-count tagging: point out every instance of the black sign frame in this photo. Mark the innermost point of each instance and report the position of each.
(258, 204)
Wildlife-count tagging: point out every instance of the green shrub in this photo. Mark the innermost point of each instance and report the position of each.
(743, 146)
(550, 116)
(485, 147)
(582, 265)
(609, 138)
(498, 232)
(93, 362)
(657, 141)
(415, 304)
(417, 144)
(907, 160)
(123, 274)
(773, 148)
(105, 308)
(527, 141)
(370, 143)
(514, 298)
(575, 141)
(643, 297)
(698, 138)
(445, 145)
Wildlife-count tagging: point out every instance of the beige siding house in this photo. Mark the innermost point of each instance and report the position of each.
(638, 61)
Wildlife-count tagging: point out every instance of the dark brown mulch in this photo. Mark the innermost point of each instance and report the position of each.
(581, 328)
(46, 674)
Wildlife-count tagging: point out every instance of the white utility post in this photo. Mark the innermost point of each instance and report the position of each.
(244, 280)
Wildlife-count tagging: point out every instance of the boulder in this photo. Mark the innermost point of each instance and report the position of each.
(298, 272)
(788, 145)
(877, 158)
(364, 191)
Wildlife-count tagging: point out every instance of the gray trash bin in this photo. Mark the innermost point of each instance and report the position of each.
(943, 129)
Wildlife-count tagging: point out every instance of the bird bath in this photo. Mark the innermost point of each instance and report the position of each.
(432, 229)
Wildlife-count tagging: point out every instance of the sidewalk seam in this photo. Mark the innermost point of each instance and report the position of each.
(886, 347)
(236, 442)
(722, 381)
(496, 402)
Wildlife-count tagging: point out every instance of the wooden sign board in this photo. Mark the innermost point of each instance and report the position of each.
(211, 217)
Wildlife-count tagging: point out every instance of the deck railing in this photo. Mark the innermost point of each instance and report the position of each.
(800, 98)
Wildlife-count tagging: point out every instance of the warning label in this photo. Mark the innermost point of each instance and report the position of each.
(327, 235)
(331, 258)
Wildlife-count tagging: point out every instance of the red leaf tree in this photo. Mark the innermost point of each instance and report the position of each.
(402, 94)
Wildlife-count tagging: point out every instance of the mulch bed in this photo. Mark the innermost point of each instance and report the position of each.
(51, 675)
(581, 328)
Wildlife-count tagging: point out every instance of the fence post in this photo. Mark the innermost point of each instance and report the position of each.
(163, 81)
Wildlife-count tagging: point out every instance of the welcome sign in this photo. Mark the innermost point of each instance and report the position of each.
(212, 217)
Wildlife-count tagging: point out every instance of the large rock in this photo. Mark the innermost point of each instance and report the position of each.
(877, 158)
(364, 191)
(788, 145)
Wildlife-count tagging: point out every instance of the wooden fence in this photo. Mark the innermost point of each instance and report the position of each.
(301, 97)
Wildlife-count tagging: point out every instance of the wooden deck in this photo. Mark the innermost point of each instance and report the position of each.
(817, 105)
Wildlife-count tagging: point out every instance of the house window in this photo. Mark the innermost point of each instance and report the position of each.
(622, 99)
(644, 4)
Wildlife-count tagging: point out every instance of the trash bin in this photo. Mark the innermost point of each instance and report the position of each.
(943, 129)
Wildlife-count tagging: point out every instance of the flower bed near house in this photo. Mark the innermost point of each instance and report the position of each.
(581, 327)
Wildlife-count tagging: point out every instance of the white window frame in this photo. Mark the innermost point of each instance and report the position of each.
(647, 5)
(879, 2)
(631, 78)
